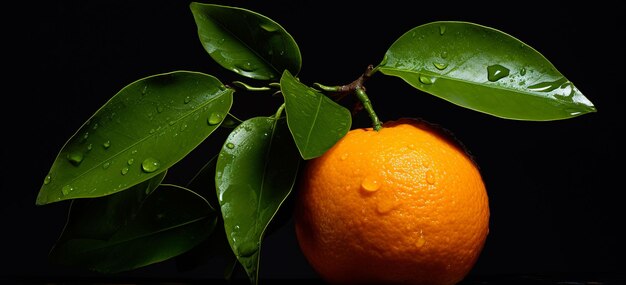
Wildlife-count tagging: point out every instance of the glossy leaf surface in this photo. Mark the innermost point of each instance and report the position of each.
(246, 42)
(132, 229)
(144, 129)
(315, 121)
(484, 69)
(256, 171)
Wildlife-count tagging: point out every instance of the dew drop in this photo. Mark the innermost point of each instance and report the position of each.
(183, 127)
(187, 100)
(89, 147)
(430, 177)
(144, 90)
(269, 27)
(442, 30)
(106, 165)
(344, 156)
(134, 151)
(67, 189)
(150, 165)
(282, 52)
(75, 157)
(215, 118)
(106, 144)
(496, 72)
(522, 71)
(440, 66)
(172, 122)
(86, 135)
(385, 206)
(230, 145)
(47, 179)
(370, 184)
(159, 109)
(248, 67)
(547, 86)
(420, 242)
(247, 249)
(152, 131)
(221, 41)
(130, 161)
(425, 80)
(444, 54)
(124, 170)
(426, 163)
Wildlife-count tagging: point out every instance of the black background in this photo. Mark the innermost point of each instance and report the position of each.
(554, 187)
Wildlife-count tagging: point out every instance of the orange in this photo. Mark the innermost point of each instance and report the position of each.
(402, 205)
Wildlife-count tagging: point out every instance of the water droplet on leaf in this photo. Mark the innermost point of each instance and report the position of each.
(442, 30)
(159, 109)
(496, 72)
(150, 165)
(187, 100)
(440, 66)
(124, 170)
(425, 80)
(344, 156)
(106, 165)
(75, 157)
(47, 179)
(106, 144)
(215, 118)
(548, 85)
(89, 147)
(269, 27)
(247, 249)
(130, 161)
(522, 71)
(67, 189)
(230, 145)
(444, 54)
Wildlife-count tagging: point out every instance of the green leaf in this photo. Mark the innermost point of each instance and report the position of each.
(246, 42)
(485, 70)
(256, 171)
(144, 129)
(101, 218)
(145, 229)
(315, 121)
(203, 183)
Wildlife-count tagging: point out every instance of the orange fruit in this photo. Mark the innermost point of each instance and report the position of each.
(402, 205)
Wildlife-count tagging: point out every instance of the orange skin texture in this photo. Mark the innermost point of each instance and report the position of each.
(404, 205)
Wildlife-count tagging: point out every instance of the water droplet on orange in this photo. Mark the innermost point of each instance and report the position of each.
(370, 184)
(430, 177)
(420, 242)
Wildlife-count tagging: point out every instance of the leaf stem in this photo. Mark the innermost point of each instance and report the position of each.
(279, 111)
(250, 87)
(367, 104)
(356, 87)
